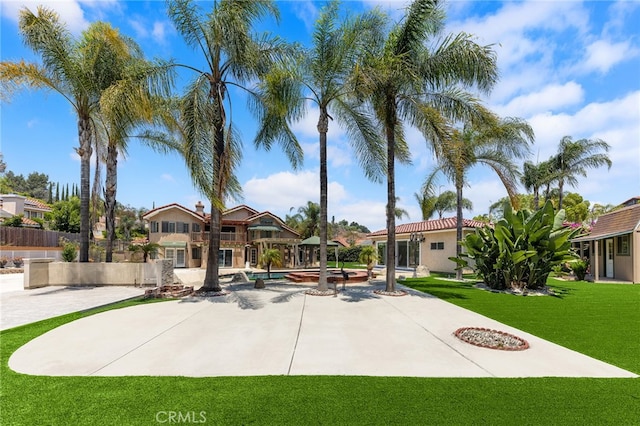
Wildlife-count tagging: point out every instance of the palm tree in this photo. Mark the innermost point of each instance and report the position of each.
(447, 202)
(271, 257)
(536, 176)
(416, 77)
(79, 70)
(324, 72)
(235, 57)
(494, 144)
(125, 106)
(310, 218)
(575, 157)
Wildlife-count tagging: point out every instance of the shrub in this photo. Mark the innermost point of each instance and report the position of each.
(3, 262)
(579, 268)
(521, 250)
(345, 254)
(69, 251)
(17, 261)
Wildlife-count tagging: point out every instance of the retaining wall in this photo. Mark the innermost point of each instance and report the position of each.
(46, 272)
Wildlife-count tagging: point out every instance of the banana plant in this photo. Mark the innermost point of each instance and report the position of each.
(521, 249)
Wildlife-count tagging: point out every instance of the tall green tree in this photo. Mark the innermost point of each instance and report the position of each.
(575, 157)
(535, 177)
(235, 55)
(417, 76)
(125, 107)
(79, 69)
(494, 143)
(325, 72)
(310, 220)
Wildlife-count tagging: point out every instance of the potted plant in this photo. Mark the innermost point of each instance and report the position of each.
(368, 256)
(3, 261)
(17, 262)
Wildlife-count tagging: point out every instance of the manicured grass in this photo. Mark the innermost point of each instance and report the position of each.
(600, 320)
(292, 400)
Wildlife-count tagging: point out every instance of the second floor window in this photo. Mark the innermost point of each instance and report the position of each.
(153, 227)
(168, 227)
(195, 227)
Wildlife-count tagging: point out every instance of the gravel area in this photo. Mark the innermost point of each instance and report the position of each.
(492, 339)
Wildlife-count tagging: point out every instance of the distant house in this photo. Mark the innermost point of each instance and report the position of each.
(437, 243)
(13, 205)
(183, 235)
(613, 245)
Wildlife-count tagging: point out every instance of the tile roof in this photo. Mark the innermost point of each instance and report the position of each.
(431, 225)
(618, 222)
(32, 202)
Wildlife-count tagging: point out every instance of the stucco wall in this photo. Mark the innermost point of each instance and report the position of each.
(44, 272)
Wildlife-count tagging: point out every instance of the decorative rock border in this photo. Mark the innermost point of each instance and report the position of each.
(316, 292)
(491, 339)
(396, 293)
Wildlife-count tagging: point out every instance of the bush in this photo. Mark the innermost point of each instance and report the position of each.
(521, 250)
(579, 268)
(69, 252)
(345, 254)
(3, 262)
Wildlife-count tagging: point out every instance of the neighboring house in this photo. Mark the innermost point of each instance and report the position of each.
(614, 245)
(13, 205)
(438, 243)
(183, 235)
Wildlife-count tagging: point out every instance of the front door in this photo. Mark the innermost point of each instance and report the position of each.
(608, 258)
(177, 255)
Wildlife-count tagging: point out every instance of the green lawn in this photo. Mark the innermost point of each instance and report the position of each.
(594, 319)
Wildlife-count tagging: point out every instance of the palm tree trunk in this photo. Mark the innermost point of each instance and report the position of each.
(560, 194)
(323, 127)
(211, 278)
(111, 181)
(459, 223)
(84, 151)
(391, 211)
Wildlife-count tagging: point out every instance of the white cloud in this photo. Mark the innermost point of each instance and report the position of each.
(159, 31)
(549, 98)
(70, 11)
(167, 177)
(281, 191)
(602, 55)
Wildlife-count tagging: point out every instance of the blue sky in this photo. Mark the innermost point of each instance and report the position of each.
(567, 67)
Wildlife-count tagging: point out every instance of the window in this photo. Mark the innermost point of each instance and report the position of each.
(437, 246)
(153, 227)
(402, 254)
(382, 253)
(168, 227)
(182, 227)
(623, 245)
(196, 253)
(195, 227)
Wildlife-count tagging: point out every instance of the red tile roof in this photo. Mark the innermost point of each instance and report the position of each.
(431, 225)
(32, 202)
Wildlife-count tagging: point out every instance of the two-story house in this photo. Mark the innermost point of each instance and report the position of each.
(183, 235)
(30, 208)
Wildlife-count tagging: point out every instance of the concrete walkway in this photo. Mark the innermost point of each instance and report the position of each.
(282, 331)
(19, 306)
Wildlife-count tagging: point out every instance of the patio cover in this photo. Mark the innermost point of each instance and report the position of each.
(315, 241)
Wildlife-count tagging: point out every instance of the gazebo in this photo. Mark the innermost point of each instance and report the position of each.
(314, 243)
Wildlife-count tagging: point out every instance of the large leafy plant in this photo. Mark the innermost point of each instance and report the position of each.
(521, 249)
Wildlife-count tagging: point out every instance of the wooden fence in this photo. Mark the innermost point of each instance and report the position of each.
(27, 237)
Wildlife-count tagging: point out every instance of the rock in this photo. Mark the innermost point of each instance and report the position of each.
(422, 271)
(259, 283)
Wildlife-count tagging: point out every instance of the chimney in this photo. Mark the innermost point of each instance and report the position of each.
(200, 208)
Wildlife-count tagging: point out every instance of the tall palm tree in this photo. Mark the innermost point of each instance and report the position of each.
(324, 73)
(416, 77)
(535, 177)
(448, 202)
(494, 144)
(310, 219)
(575, 157)
(125, 107)
(79, 70)
(234, 56)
